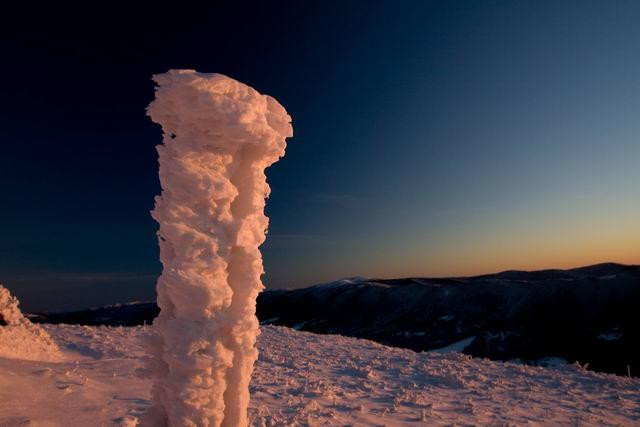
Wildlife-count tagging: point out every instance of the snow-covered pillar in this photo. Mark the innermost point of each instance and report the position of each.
(219, 136)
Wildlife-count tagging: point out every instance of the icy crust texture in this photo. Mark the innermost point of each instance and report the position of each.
(219, 136)
(19, 338)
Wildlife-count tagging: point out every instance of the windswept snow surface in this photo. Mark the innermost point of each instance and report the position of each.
(219, 136)
(306, 379)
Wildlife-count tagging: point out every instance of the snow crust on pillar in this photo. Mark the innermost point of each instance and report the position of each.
(21, 339)
(219, 136)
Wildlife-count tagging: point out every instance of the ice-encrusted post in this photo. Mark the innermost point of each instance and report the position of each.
(219, 136)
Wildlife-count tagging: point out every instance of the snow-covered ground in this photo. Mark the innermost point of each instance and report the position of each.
(307, 379)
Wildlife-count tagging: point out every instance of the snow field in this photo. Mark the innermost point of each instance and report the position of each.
(306, 379)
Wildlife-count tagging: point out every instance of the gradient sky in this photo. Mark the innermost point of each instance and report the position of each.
(431, 138)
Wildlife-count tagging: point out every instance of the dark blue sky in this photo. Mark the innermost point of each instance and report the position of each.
(431, 138)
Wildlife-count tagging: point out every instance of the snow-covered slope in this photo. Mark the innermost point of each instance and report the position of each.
(307, 379)
(586, 314)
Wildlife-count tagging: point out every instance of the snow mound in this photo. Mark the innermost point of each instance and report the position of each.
(19, 338)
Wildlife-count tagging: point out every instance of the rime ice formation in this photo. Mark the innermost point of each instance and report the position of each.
(19, 338)
(219, 136)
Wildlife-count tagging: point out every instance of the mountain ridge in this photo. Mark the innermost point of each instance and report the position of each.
(585, 314)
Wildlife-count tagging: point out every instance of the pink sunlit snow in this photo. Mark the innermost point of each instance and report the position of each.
(219, 136)
(306, 379)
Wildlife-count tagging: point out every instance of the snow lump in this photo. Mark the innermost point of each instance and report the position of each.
(19, 338)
